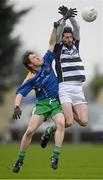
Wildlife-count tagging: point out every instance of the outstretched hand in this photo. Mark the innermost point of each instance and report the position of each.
(70, 13)
(17, 112)
(63, 10)
(67, 13)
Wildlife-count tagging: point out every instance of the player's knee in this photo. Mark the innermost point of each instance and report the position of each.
(29, 132)
(84, 123)
(68, 122)
(61, 124)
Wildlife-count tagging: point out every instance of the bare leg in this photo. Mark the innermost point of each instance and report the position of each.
(59, 136)
(81, 114)
(68, 113)
(59, 133)
(34, 123)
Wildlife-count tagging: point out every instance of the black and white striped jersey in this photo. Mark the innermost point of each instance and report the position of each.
(69, 66)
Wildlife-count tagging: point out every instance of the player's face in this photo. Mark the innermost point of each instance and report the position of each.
(68, 39)
(35, 60)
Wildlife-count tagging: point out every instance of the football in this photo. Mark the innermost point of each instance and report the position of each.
(89, 14)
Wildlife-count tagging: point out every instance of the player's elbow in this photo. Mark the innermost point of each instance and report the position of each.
(51, 47)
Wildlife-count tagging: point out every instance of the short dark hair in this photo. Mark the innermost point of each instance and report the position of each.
(26, 59)
(67, 29)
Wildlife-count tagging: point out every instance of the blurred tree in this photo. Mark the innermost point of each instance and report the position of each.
(96, 85)
(8, 45)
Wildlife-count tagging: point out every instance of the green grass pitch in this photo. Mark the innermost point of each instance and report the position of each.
(76, 162)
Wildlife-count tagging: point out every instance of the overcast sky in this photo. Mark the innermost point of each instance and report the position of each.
(35, 28)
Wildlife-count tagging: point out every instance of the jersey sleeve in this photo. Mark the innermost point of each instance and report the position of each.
(76, 42)
(60, 31)
(48, 57)
(57, 47)
(24, 89)
(28, 76)
(76, 28)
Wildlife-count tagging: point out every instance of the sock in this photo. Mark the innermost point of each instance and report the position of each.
(56, 152)
(21, 155)
(50, 130)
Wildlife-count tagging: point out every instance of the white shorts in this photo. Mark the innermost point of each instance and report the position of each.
(69, 93)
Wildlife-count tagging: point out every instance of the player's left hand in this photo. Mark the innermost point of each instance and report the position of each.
(56, 24)
(70, 13)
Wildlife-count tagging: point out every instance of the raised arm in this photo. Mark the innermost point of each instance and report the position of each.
(76, 28)
(60, 30)
(67, 14)
(53, 37)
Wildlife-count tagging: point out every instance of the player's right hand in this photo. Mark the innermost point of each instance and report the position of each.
(63, 10)
(17, 112)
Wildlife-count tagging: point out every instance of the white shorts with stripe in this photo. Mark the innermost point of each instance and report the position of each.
(71, 92)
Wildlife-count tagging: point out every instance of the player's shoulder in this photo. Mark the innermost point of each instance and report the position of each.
(58, 47)
(28, 76)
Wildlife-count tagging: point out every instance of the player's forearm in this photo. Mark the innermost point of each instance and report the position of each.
(52, 40)
(60, 31)
(76, 28)
(18, 99)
